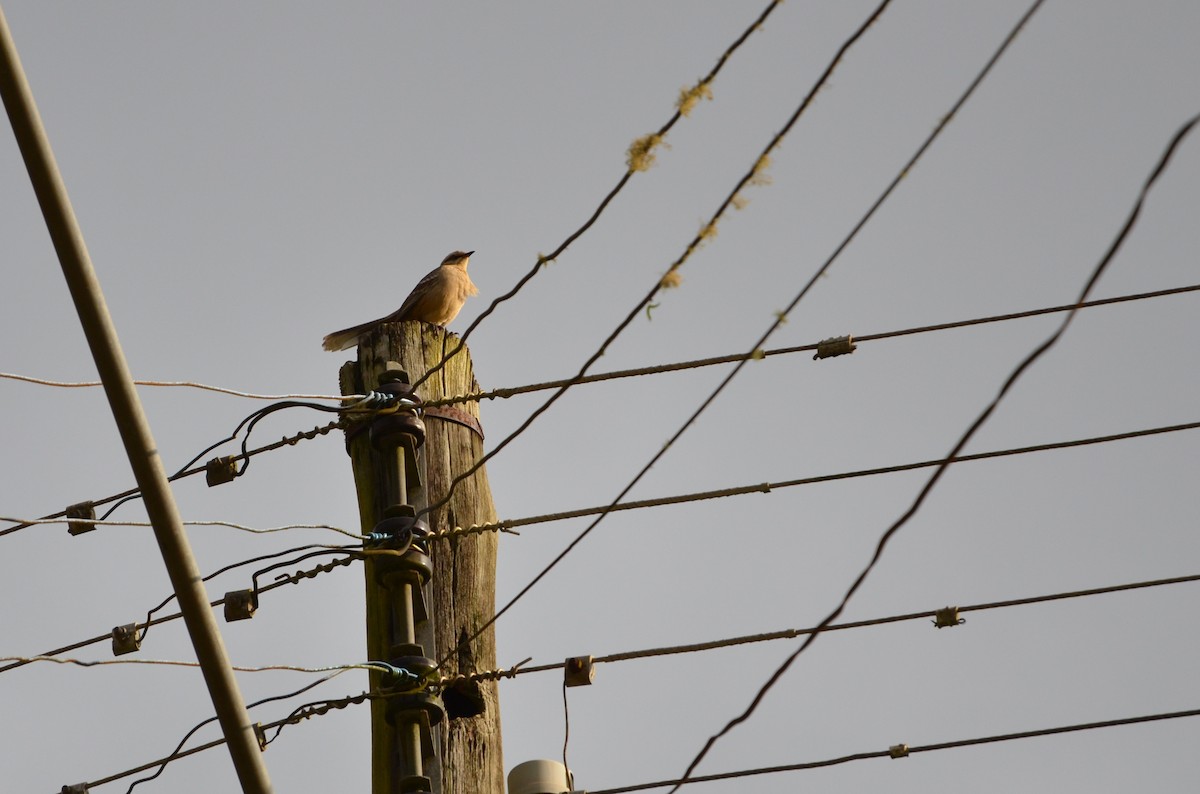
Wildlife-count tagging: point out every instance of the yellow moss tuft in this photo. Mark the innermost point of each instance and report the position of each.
(641, 156)
(739, 201)
(760, 176)
(670, 280)
(707, 232)
(690, 97)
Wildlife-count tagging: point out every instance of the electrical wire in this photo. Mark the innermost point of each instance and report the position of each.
(517, 669)
(902, 751)
(768, 487)
(1013, 377)
(132, 493)
(512, 391)
(176, 384)
(753, 174)
(175, 753)
(941, 125)
(143, 628)
(788, 634)
(380, 667)
(32, 522)
(765, 487)
(700, 89)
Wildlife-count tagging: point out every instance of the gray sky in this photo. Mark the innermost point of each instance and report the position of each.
(250, 177)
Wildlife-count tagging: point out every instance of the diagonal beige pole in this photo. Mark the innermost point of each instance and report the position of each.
(127, 410)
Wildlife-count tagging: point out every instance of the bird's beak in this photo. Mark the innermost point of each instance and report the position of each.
(469, 253)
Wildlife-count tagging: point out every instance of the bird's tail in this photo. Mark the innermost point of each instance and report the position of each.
(347, 337)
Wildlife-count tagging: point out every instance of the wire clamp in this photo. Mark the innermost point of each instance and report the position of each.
(946, 617)
(83, 510)
(835, 346)
(240, 605)
(898, 751)
(126, 639)
(260, 735)
(78, 788)
(579, 671)
(219, 471)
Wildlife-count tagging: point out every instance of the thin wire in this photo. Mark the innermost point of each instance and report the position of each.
(32, 522)
(768, 487)
(543, 260)
(910, 750)
(788, 634)
(511, 391)
(691, 247)
(175, 753)
(505, 393)
(566, 734)
(143, 628)
(179, 383)
(1033, 356)
(520, 669)
(134, 492)
(379, 667)
(941, 125)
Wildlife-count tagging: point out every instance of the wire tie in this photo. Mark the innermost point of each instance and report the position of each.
(219, 471)
(83, 510)
(947, 617)
(898, 751)
(835, 346)
(260, 735)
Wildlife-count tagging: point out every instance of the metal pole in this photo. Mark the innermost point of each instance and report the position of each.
(131, 422)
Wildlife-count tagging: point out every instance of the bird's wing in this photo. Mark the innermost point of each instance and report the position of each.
(427, 282)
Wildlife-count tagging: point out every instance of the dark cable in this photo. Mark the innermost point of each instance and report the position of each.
(1033, 356)
(557, 252)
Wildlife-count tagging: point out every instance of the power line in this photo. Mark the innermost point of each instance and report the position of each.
(636, 163)
(143, 627)
(733, 358)
(123, 496)
(941, 125)
(788, 634)
(296, 715)
(1033, 356)
(767, 487)
(705, 231)
(81, 384)
(903, 750)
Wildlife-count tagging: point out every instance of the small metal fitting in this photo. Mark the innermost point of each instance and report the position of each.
(835, 346)
(83, 510)
(579, 671)
(240, 605)
(126, 639)
(947, 617)
(898, 751)
(219, 471)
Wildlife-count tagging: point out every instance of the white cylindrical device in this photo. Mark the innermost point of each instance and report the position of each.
(538, 777)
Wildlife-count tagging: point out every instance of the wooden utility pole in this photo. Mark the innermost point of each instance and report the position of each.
(460, 593)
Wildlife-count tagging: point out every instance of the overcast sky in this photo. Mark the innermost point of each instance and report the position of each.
(250, 177)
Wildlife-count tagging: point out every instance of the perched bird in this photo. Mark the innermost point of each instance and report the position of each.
(436, 299)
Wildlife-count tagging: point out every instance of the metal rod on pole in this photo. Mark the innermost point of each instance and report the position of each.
(131, 422)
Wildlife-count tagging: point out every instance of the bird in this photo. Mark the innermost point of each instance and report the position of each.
(436, 299)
